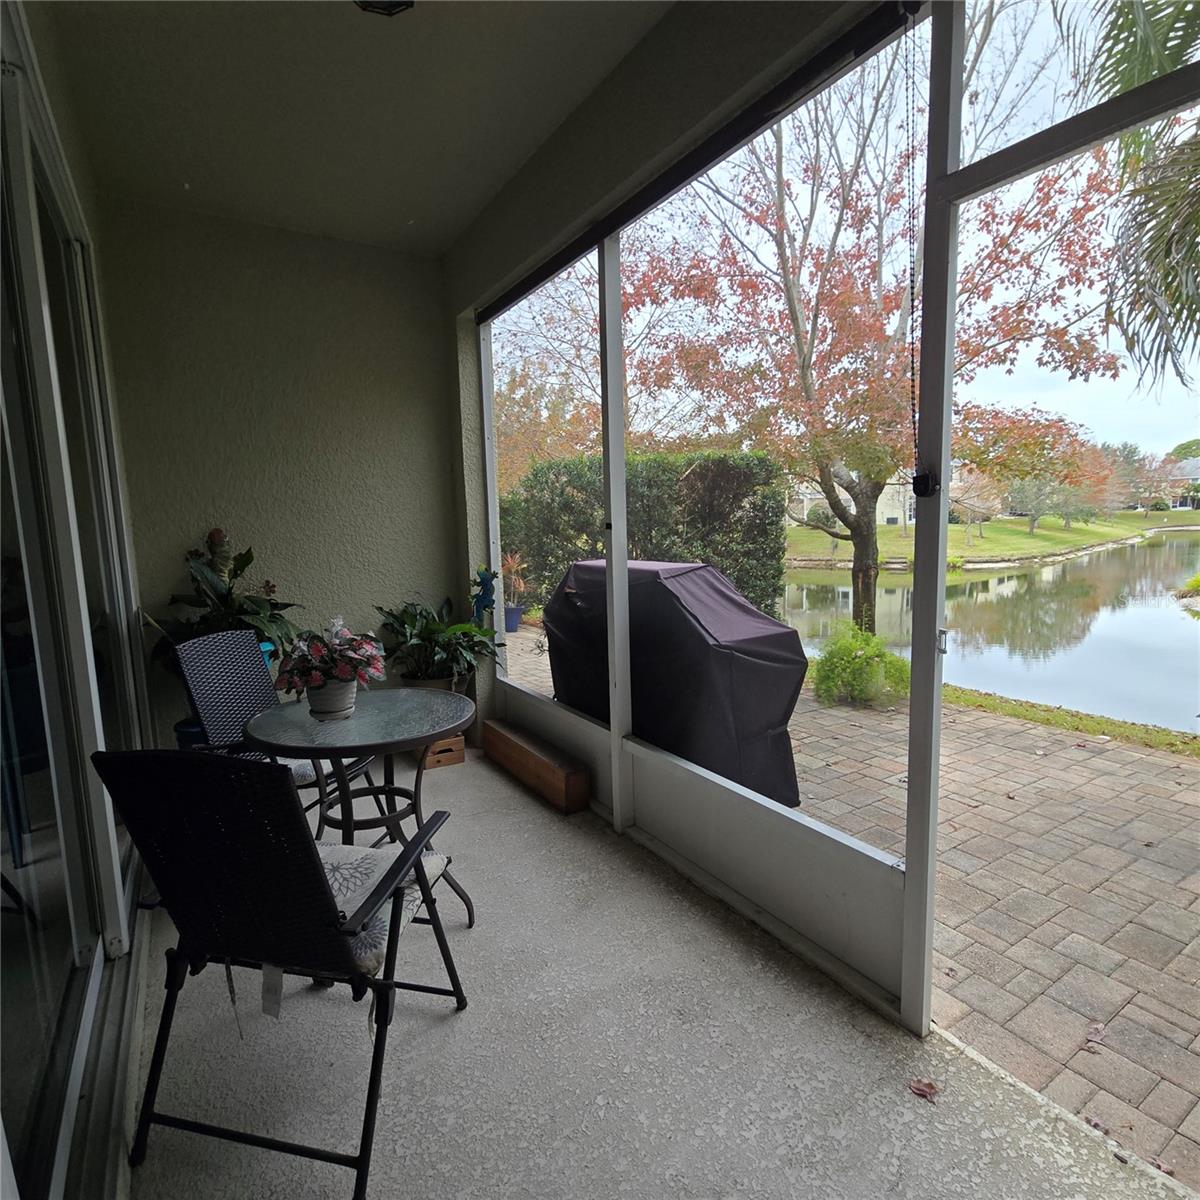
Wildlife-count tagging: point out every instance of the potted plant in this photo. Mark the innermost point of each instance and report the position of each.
(217, 603)
(512, 568)
(329, 667)
(427, 650)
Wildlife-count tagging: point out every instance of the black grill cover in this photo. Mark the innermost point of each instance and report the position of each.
(713, 679)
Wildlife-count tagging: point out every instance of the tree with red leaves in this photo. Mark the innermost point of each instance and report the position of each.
(791, 271)
(771, 304)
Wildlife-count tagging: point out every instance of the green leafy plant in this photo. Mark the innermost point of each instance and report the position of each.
(723, 508)
(856, 667)
(217, 604)
(424, 643)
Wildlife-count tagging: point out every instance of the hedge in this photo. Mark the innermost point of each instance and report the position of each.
(721, 508)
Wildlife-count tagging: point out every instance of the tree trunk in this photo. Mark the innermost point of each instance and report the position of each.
(864, 574)
(1032, 524)
(1066, 522)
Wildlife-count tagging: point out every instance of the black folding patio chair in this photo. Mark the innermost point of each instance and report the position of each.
(228, 682)
(227, 844)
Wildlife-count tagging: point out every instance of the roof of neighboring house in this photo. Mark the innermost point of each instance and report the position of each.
(1186, 468)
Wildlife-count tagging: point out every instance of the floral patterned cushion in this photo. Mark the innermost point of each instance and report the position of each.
(352, 871)
(302, 770)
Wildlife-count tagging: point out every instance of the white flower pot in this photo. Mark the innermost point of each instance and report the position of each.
(334, 701)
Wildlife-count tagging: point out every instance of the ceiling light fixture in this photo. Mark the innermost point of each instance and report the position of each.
(384, 8)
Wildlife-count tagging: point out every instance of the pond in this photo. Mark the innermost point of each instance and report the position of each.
(1101, 634)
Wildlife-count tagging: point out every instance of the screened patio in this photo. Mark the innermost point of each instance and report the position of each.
(259, 258)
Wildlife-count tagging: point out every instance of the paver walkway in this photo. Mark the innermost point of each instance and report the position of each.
(1068, 900)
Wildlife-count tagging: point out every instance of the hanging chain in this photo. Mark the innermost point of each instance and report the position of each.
(910, 70)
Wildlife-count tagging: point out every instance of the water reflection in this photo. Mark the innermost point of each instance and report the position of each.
(1101, 633)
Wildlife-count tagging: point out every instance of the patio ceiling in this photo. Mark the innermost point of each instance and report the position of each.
(323, 119)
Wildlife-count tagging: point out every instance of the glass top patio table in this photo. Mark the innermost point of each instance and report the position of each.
(383, 722)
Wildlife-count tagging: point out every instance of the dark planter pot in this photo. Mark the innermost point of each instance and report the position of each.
(441, 685)
(189, 734)
(512, 617)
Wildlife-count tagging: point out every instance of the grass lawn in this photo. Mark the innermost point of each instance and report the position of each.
(1005, 538)
(1153, 736)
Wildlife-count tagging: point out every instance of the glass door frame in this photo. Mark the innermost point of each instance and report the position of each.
(37, 165)
(98, 898)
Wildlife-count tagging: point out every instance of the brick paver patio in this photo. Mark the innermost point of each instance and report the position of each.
(1068, 900)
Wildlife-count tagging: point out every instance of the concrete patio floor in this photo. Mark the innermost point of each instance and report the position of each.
(1068, 895)
(627, 1036)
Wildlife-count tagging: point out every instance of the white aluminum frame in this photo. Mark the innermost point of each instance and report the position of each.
(616, 541)
(929, 564)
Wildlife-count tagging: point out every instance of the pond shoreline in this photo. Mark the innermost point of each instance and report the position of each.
(1092, 725)
(792, 563)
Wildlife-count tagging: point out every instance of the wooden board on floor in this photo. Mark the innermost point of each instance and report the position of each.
(554, 775)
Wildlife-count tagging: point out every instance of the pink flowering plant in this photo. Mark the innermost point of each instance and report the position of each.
(336, 655)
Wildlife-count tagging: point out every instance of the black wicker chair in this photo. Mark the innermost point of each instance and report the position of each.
(228, 683)
(227, 844)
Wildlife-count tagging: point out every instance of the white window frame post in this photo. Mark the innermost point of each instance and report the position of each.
(491, 483)
(616, 549)
(933, 450)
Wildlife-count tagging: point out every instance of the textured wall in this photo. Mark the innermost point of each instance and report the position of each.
(295, 391)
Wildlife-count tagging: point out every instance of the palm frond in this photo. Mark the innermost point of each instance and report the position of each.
(1154, 292)
(1154, 288)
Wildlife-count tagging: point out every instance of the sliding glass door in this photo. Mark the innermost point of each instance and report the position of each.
(66, 651)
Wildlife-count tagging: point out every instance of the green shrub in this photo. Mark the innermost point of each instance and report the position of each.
(724, 509)
(1159, 506)
(1191, 588)
(857, 668)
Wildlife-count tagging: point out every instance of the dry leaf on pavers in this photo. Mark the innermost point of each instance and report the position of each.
(925, 1088)
(1162, 1166)
(1096, 1032)
(1121, 1158)
(1100, 1125)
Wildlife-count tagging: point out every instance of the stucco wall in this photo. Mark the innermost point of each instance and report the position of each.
(293, 390)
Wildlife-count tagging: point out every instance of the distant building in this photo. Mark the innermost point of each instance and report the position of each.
(1183, 475)
(896, 503)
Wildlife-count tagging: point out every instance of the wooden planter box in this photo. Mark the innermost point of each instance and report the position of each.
(555, 776)
(445, 753)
